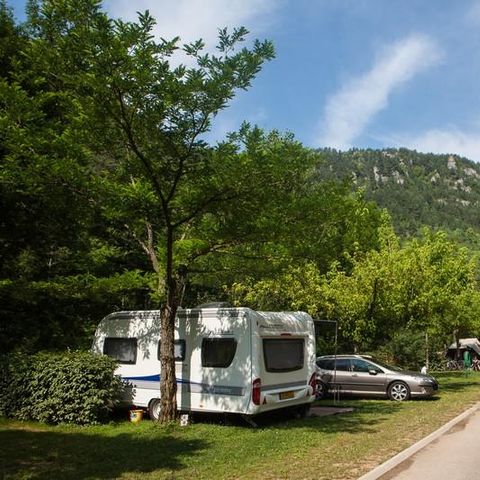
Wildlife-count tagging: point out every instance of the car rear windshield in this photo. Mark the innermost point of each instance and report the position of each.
(389, 367)
(283, 354)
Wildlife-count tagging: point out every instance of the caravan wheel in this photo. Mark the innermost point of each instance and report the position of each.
(154, 409)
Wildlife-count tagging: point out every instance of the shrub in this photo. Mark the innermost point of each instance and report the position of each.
(14, 388)
(406, 349)
(68, 387)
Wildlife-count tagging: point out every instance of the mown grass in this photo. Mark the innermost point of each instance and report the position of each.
(335, 447)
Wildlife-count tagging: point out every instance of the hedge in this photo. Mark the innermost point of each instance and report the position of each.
(71, 387)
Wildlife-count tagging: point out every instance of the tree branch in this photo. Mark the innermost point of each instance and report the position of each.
(147, 246)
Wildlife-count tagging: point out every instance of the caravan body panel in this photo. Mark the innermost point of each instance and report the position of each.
(222, 355)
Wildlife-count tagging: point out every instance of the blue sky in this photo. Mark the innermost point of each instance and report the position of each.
(348, 73)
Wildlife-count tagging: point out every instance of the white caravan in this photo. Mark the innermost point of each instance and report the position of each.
(229, 360)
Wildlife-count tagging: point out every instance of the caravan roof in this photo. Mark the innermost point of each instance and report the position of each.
(464, 343)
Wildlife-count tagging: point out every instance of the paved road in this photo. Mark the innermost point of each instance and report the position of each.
(453, 456)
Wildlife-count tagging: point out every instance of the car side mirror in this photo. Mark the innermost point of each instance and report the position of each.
(372, 372)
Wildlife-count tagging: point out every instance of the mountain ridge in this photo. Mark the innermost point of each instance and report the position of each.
(441, 191)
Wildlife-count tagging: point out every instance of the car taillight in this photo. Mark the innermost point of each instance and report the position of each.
(256, 390)
(313, 383)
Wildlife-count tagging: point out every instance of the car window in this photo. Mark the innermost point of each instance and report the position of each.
(375, 367)
(359, 365)
(343, 364)
(325, 364)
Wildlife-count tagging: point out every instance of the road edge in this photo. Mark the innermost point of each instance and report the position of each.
(385, 467)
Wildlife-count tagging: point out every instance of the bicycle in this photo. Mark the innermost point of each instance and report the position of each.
(455, 365)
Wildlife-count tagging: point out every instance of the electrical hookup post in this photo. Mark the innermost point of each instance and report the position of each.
(324, 330)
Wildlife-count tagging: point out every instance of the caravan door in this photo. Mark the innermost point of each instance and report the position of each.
(217, 370)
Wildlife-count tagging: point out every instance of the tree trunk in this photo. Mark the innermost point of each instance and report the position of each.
(427, 359)
(175, 285)
(457, 344)
(168, 383)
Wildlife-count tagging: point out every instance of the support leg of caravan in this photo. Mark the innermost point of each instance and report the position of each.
(249, 420)
(302, 411)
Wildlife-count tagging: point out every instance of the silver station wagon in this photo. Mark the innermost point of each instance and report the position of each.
(358, 375)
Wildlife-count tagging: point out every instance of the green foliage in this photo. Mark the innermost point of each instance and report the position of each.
(10, 39)
(58, 388)
(428, 284)
(112, 199)
(407, 349)
(423, 285)
(64, 312)
(139, 120)
(299, 288)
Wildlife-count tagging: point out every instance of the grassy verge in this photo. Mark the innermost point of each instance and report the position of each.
(336, 447)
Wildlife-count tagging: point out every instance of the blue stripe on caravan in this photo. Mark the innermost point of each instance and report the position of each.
(148, 378)
(193, 387)
(151, 378)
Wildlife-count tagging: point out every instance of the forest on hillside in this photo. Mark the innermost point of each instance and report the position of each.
(417, 189)
(111, 199)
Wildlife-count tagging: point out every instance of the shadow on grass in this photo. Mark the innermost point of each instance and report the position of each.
(457, 386)
(364, 418)
(457, 381)
(46, 454)
(367, 414)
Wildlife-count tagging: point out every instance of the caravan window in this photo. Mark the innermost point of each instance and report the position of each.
(283, 354)
(179, 350)
(218, 352)
(122, 349)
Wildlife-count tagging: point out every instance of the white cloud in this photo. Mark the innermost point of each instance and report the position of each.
(349, 111)
(442, 141)
(193, 19)
(473, 13)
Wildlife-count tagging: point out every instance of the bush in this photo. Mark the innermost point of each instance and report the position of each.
(406, 349)
(68, 387)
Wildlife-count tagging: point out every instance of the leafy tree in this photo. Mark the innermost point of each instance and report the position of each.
(427, 285)
(304, 283)
(406, 348)
(56, 253)
(11, 40)
(142, 120)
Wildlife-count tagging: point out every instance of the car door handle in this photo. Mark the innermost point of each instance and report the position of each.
(355, 375)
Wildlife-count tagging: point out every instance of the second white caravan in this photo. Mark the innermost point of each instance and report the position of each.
(230, 360)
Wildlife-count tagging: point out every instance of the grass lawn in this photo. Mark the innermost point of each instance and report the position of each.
(335, 447)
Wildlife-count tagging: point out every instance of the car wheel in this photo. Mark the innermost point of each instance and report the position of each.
(398, 391)
(154, 408)
(321, 390)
